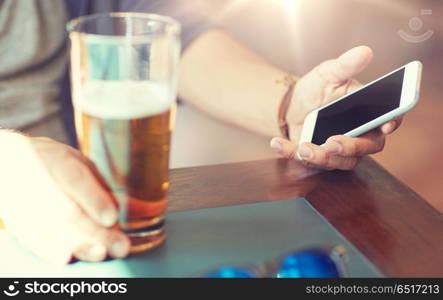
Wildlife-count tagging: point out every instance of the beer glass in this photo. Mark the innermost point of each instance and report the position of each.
(123, 75)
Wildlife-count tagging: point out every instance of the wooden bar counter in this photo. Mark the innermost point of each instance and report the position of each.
(389, 223)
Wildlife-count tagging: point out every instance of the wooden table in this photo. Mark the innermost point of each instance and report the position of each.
(389, 223)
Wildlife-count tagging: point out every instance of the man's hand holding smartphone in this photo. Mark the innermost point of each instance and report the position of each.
(327, 82)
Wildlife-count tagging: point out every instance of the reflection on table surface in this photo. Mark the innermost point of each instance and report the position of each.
(386, 221)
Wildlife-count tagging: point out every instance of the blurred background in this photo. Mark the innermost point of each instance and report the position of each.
(296, 35)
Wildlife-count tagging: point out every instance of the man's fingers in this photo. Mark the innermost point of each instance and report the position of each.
(284, 147)
(85, 189)
(57, 239)
(346, 66)
(312, 155)
(80, 182)
(347, 146)
(339, 152)
(391, 126)
(321, 158)
(90, 252)
(86, 247)
(79, 244)
(115, 242)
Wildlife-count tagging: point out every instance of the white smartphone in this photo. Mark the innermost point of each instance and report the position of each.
(367, 108)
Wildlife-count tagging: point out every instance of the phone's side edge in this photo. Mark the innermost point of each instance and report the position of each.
(308, 127)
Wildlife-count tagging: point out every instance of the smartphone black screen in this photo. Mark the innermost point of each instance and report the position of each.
(359, 108)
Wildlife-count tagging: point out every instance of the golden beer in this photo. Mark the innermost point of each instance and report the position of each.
(124, 85)
(129, 141)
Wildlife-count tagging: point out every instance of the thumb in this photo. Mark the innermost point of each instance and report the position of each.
(347, 65)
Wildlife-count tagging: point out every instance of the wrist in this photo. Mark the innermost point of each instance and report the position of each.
(289, 81)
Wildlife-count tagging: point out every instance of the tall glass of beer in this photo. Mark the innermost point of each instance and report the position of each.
(123, 75)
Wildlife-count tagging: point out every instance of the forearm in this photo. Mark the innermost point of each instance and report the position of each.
(229, 81)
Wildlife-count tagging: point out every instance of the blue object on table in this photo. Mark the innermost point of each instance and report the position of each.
(307, 264)
(230, 272)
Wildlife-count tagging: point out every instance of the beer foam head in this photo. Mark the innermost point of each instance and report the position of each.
(123, 99)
